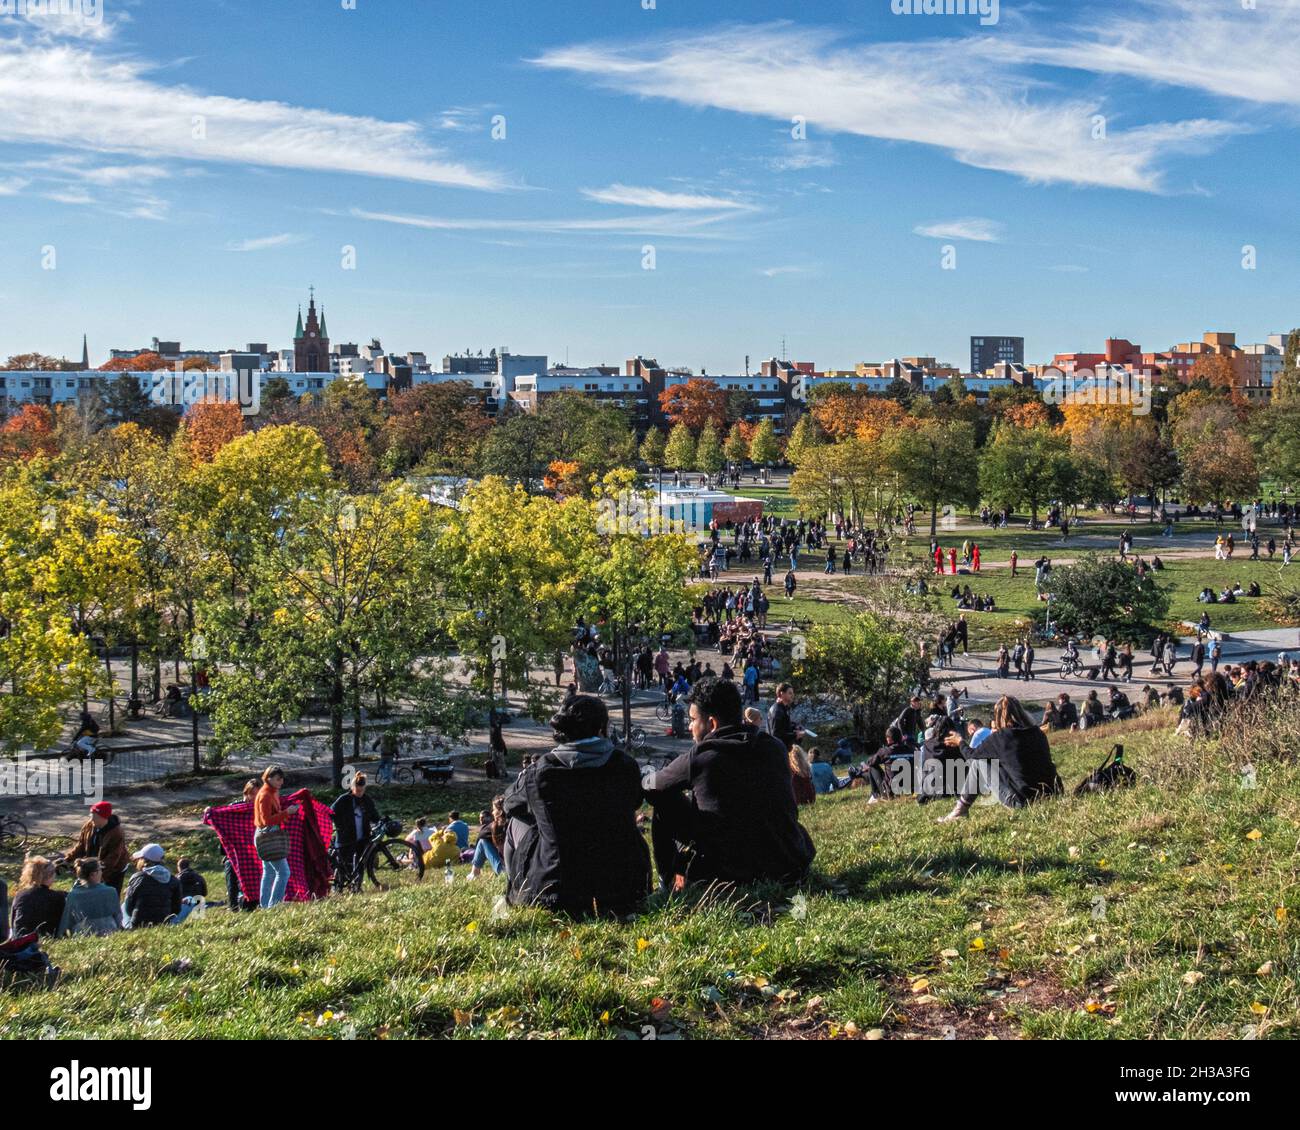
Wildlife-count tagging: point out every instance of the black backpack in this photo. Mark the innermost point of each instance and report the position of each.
(1110, 774)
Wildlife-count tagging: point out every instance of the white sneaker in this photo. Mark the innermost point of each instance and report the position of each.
(470, 876)
(958, 813)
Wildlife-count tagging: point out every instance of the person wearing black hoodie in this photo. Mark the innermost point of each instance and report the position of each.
(1019, 749)
(572, 844)
(154, 894)
(739, 821)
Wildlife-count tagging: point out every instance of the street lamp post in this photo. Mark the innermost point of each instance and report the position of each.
(198, 653)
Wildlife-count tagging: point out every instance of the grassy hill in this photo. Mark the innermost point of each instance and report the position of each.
(1166, 911)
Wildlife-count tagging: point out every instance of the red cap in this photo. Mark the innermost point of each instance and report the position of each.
(103, 808)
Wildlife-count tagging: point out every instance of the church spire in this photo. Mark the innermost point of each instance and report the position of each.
(323, 331)
(85, 354)
(298, 332)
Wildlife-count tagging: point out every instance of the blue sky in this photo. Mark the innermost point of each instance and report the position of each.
(325, 127)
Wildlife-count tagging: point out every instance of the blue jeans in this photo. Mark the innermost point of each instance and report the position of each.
(485, 852)
(275, 881)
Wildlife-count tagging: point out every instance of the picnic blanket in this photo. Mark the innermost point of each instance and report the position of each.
(310, 829)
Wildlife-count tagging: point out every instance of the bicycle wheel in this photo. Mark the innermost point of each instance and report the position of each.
(404, 776)
(664, 712)
(637, 738)
(13, 837)
(394, 863)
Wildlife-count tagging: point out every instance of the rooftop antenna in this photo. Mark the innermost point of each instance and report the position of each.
(783, 357)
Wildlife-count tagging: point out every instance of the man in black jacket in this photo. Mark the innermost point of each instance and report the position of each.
(355, 816)
(738, 823)
(779, 723)
(573, 845)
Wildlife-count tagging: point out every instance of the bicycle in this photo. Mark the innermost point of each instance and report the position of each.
(664, 709)
(13, 835)
(636, 738)
(385, 860)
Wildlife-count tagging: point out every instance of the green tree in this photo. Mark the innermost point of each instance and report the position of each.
(652, 448)
(866, 663)
(511, 563)
(737, 447)
(634, 581)
(1026, 467)
(679, 453)
(935, 463)
(803, 437)
(126, 401)
(764, 448)
(338, 607)
(45, 661)
(1105, 597)
(708, 452)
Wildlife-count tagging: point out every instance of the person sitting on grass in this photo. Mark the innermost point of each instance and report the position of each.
(457, 827)
(725, 810)
(421, 836)
(37, 907)
(91, 906)
(573, 845)
(801, 777)
(491, 840)
(823, 774)
(154, 894)
(1023, 759)
(193, 885)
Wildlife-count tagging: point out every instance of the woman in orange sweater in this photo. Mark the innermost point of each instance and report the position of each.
(270, 837)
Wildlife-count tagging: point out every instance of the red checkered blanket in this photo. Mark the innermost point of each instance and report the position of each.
(310, 829)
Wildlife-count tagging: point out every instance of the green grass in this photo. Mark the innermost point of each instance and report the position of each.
(996, 915)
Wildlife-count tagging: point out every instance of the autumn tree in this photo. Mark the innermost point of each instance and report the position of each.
(437, 427)
(209, 426)
(695, 402)
(28, 434)
(736, 447)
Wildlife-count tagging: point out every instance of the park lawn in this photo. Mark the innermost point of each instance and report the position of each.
(1016, 597)
(993, 927)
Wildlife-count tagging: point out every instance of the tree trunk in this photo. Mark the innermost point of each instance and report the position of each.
(336, 720)
(934, 517)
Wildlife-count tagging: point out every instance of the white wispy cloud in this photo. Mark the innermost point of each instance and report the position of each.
(656, 198)
(664, 224)
(75, 96)
(12, 186)
(800, 155)
(974, 228)
(978, 105)
(264, 243)
(774, 272)
(1223, 48)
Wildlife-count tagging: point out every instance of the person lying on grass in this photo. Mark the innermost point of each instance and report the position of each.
(1018, 750)
(725, 810)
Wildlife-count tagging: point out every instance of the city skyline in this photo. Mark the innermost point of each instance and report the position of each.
(499, 175)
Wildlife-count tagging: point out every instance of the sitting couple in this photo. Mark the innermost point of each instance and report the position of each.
(573, 843)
